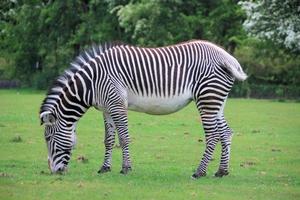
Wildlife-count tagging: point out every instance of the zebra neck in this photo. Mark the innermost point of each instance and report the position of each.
(72, 104)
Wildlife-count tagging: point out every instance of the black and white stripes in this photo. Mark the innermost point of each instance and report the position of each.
(115, 78)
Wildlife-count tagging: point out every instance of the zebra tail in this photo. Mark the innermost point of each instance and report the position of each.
(236, 71)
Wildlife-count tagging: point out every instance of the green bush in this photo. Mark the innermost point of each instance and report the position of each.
(43, 79)
(266, 91)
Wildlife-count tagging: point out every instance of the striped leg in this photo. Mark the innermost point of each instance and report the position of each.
(209, 121)
(109, 142)
(225, 137)
(119, 116)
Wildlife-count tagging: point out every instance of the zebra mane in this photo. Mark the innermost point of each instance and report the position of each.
(77, 64)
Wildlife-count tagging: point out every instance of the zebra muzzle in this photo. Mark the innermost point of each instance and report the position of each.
(61, 170)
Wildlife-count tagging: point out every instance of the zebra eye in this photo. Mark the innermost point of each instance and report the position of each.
(47, 138)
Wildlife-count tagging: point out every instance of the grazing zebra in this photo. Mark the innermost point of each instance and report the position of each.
(115, 78)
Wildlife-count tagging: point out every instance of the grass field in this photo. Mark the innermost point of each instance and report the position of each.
(165, 150)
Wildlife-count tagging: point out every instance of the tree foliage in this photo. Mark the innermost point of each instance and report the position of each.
(275, 20)
(40, 38)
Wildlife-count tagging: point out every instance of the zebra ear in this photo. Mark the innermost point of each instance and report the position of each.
(47, 118)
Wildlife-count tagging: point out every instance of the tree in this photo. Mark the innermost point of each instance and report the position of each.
(225, 24)
(275, 20)
(42, 37)
(155, 23)
(18, 33)
(151, 23)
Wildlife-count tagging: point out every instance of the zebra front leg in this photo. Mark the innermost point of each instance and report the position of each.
(124, 143)
(225, 137)
(119, 115)
(109, 142)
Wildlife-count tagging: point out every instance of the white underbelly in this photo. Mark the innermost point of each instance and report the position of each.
(158, 105)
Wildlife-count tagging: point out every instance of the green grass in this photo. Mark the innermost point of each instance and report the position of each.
(165, 150)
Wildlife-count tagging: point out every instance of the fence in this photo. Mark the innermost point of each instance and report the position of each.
(5, 84)
(265, 91)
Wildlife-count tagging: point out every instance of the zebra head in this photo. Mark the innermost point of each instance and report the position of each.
(60, 139)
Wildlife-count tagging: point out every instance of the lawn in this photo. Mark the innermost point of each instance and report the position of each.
(265, 161)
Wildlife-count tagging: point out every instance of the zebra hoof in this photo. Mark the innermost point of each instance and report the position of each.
(198, 175)
(104, 169)
(125, 170)
(221, 172)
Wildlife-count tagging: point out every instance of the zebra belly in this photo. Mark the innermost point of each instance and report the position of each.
(156, 105)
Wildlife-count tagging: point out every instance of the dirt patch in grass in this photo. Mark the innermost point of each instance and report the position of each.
(16, 139)
(4, 174)
(82, 159)
(46, 173)
(247, 164)
(275, 150)
(255, 131)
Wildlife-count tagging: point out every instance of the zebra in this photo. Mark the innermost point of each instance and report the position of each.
(115, 78)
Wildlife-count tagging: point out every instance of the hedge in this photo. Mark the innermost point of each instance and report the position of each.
(265, 91)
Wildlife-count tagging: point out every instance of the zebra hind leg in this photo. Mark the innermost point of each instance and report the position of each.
(225, 137)
(109, 142)
(212, 137)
